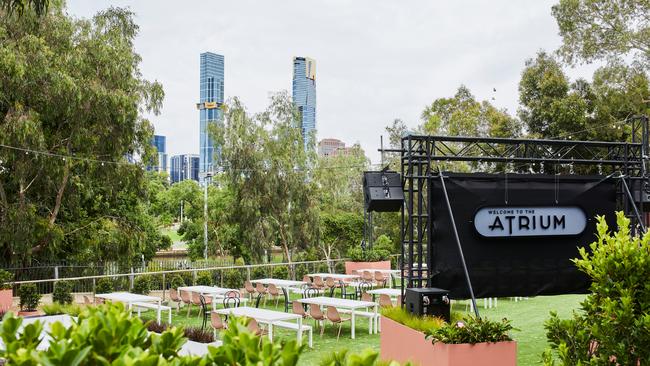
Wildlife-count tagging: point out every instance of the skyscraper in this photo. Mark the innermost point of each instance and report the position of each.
(184, 167)
(304, 94)
(160, 143)
(211, 85)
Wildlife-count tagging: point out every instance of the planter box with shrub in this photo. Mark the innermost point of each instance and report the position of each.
(6, 293)
(29, 299)
(403, 344)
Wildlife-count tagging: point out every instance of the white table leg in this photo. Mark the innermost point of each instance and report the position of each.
(158, 315)
(376, 321)
(353, 323)
(271, 332)
(300, 330)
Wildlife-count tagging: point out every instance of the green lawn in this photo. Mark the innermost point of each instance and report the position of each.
(528, 317)
(173, 235)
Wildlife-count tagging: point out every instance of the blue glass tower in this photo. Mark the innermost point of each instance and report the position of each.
(160, 143)
(211, 84)
(184, 167)
(304, 94)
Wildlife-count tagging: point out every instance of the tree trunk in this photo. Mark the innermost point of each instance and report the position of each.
(57, 207)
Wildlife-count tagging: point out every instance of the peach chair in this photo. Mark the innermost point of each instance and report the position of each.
(354, 272)
(366, 297)
(380, 279)
(249, 288)
(255, 328)
(87, 300)
(196, 300)
(186, 297)
(217, 323)
(261, 291)
(334, 316)
(385, 301)
(299, 309)
(274, 293)
(318, 282)
(173, 295)
(367, 276)
(319, 318)
(306, 279)
(331, 284)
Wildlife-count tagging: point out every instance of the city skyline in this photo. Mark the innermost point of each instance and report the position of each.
(303, 92)
(362, 86)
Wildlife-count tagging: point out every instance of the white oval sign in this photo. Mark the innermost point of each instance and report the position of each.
(530, 221)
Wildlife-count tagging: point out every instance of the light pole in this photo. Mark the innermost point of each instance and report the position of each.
(206, 182)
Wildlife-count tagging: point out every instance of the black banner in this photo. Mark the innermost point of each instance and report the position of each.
(522, 247)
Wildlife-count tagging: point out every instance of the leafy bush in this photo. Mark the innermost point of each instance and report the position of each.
(322, 268)
(259, 272)
(142, 285)
(177, 281)
(339, 267)
(5, 278)
(58, 308)
(187, 278)
(471, 330)
(367, 357)
(199, 335)
(301, 271)
(356, 254)
(419, 323)
(281, 272)
(614, 319)
(29, 297)
(104, 286)
(62, 292)
(233, 278)
(204, 278)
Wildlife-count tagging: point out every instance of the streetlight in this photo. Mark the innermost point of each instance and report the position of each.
(206, 181)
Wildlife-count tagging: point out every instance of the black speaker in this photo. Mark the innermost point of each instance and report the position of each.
(428, 301)
(383, 191)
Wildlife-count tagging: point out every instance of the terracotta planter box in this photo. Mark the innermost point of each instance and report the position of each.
(6, 299)
(401, 343)
(355, 266)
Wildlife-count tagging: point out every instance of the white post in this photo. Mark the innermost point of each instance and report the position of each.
(205, 218)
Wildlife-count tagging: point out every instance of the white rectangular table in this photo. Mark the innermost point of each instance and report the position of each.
(129, 298)
(285, 285)
(336, 276)
(264, 316)
(393, 292)
(347, 304)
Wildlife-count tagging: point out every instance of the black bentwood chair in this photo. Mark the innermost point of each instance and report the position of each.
(205, 311)
(231, 300)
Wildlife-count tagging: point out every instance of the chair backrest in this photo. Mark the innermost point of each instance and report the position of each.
(354, 272)
(315, 312)
(367, 276)
(385, 301)
(196, 298)
(216, 321)
(364, 287)
(260, 288)
(203, 302)
(231, 302)
(232, 293)
(87, 300)
(186, 296)
(379, 276)
(318, 281)
(249, 286)
(329, 281)
(252, 326)
(173, 294)
(310, 292)
(273, 290)
(306, 279)
(298, 308)
(399, 300)
(366, 297)
(333, 315)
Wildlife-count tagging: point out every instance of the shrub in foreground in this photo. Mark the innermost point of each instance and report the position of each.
(5, 278)
(142, 285)
(472, 330)
(29, 297)
(613, 324)
(104, 286)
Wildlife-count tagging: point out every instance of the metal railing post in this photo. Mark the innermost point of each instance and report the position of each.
(163, 286)
(131, 280)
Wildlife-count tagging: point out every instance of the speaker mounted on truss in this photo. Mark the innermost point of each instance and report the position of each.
(383, 191)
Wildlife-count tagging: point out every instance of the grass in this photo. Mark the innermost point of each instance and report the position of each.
(527, 316)
(172, 233)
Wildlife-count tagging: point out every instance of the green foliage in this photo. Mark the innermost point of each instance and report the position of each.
(62, 292)
(233, 278)
(419, 323)
(615, 316)
(142, 285)
(104, 286)
(471, 330)
(92, 92)
(204, 278)
(177, 281)
(339, 267)
(259, 272)
(57, 308)
(594, 30)
(368, 357)
(5, 278)
(29, 297)
(356, 254)
(339, 231)
(281, 272)
(39, 7)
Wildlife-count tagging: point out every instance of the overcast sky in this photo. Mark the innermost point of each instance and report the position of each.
(376, 60)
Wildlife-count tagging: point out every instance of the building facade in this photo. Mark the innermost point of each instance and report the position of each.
(184, 167)
(328, 147)
(160, 143)
(211, 98)
(304, 94)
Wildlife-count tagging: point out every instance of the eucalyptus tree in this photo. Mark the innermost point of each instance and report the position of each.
(71, 104)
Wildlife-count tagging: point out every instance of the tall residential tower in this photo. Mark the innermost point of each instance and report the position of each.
(160, 143)
(304, 94)
(211, 85)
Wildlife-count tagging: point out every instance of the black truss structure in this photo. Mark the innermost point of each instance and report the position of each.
(422, 155)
